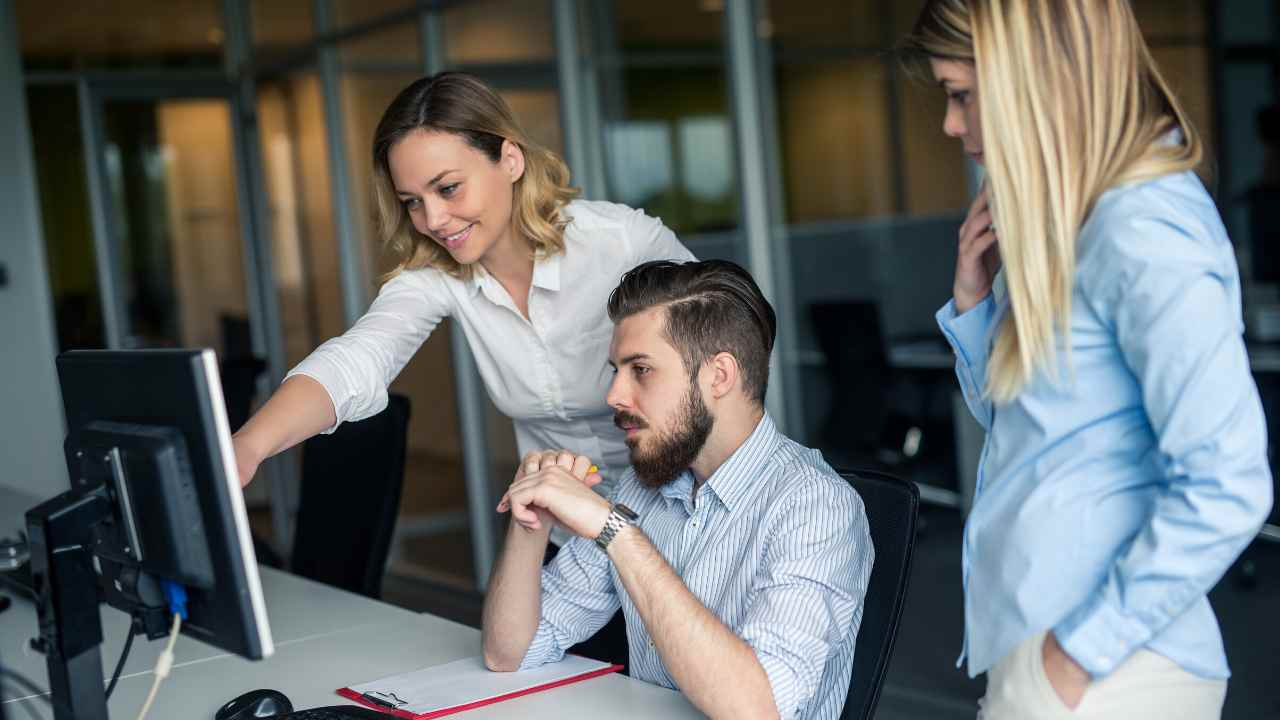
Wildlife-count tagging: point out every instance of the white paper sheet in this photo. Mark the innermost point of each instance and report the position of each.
(468, 681)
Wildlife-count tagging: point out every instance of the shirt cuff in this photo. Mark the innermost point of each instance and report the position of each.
(543, 648)
(967, 332)
(315, 369)
(782, 681)
(1099, 636)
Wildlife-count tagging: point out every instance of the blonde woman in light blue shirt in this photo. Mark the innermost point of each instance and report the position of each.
(1096, 321)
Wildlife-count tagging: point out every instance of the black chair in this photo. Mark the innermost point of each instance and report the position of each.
(886, 431)
(239, 368)
(881, 417)
(850, 337)
(892, 506)
(351, 482)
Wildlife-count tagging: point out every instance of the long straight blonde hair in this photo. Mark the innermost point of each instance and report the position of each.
(462, 105)
(1071, 105)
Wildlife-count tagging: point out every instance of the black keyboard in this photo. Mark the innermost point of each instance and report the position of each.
(334, 712)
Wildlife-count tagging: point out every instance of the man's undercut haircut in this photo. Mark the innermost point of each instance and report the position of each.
(712, 306)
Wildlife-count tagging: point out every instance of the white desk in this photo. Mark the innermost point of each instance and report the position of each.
(325, 639)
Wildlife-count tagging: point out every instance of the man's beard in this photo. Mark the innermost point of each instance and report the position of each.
(671, 453)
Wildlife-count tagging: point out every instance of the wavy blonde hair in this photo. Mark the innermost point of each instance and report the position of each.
(462, 105)
(1071, 104)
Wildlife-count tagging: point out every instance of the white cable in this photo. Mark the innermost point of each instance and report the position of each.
(163, 665)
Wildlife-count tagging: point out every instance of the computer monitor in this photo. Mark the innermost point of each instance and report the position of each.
(155, 496)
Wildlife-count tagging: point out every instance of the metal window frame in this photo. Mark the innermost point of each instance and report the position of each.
(468, 386)
(767, 245)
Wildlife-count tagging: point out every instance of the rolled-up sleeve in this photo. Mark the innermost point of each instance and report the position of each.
(578, 598)
(356, 367)
(969, 335)
(810, 590)
(1174, 302)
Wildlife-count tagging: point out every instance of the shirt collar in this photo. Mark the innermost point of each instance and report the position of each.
(546, 274)
(546, 271)
(731, 481)
(678, 490)
(478, 278)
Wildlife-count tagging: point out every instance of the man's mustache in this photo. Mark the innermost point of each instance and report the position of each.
(623, 419)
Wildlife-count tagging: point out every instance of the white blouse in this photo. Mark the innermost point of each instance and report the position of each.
(548, 373)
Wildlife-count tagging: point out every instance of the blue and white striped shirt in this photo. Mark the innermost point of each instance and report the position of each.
(777, 547)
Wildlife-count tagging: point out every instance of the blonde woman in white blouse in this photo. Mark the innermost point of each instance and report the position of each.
(481, 222)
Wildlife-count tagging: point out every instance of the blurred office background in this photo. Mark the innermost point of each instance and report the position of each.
(202, 175)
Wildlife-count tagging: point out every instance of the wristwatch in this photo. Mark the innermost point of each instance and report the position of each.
(619, 515)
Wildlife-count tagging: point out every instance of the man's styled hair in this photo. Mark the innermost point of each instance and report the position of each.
(712, 306)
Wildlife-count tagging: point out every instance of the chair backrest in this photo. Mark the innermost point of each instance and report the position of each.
(239, 367)
(857, 362)
(351, 483)
(892, 505)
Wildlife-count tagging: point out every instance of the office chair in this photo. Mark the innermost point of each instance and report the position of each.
(862, 428)
(239, 368)
(351, 482)
(881, 417)
(851, 340)
(892, 505)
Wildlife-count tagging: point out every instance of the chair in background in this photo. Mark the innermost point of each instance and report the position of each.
(239, 368)
(892, 506)
(882, 417)
(861, 429)
(351, 482)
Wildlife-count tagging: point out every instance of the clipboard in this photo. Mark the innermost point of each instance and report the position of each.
(466, 684)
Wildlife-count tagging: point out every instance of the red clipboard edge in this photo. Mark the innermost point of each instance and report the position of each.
(350, 694)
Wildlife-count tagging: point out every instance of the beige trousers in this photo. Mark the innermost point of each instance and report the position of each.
(1147, 686)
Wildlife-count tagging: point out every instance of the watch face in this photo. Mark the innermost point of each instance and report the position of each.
(626, 512)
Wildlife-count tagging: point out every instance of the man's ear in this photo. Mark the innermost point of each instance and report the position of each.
(725, 374)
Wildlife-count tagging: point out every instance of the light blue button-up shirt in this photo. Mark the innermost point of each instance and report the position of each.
(777, 547)
(1111, 501)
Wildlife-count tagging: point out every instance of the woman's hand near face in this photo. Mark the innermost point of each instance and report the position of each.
(977, 255)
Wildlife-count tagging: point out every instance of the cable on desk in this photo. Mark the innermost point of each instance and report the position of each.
(177, 596)
(124, 655)
(163, 666)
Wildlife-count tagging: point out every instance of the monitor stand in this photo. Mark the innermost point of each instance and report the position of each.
(69, 588)
(60, 531)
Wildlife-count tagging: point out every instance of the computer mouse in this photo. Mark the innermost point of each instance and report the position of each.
(255, 704)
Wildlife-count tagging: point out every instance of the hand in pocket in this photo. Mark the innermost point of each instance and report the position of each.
(1067, 678)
